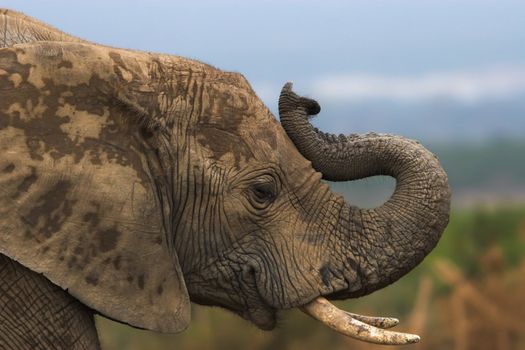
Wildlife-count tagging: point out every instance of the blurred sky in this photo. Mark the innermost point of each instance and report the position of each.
(405, 51)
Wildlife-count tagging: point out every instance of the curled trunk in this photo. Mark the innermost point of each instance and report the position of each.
(388, 241)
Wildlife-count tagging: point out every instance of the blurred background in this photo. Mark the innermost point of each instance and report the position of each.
(448, 73)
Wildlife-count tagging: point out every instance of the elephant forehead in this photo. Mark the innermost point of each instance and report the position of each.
(269, 137)
(236, 127)
(241, 135)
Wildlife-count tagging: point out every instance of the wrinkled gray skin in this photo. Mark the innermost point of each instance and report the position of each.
(36, 314)
(141, 179)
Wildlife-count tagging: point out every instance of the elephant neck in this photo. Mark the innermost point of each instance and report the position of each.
(36, 314)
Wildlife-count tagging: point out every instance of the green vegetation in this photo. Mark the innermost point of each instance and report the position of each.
(472, 232)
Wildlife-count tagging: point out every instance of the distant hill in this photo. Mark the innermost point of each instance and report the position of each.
(494, 164)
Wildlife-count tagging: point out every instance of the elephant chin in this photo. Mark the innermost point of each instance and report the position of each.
(264, 318)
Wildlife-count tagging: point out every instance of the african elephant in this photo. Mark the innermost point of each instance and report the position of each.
(132, 183)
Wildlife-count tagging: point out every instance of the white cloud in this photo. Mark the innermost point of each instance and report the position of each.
(462, 86)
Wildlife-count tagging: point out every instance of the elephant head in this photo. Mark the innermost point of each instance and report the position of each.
(141, 181)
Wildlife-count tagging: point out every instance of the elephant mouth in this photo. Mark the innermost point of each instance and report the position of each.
(263, 317)
(259, 311)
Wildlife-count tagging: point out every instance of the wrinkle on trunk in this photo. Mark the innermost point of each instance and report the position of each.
(390, 240)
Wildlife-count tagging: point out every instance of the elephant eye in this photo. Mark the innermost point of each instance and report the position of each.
(264, 191)
(262, 194)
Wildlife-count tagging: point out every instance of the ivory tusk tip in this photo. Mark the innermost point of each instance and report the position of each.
(412, 338)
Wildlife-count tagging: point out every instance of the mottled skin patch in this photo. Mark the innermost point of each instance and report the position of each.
(93, 280)
(116, 262)
(26, 183)
(81, 125)
(70, 121)
(100, 240)
(9, 168)
(224, 143)
(65, 64)
(108, 239)
(50, 211)
(39, 123)
(16, 79)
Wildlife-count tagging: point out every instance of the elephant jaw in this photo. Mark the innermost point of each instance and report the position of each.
(262, 317)
(366, 328)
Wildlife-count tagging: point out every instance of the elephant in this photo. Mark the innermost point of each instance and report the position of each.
(134, 183)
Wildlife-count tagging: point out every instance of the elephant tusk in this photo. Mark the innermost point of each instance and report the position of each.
(347, 324)
(379, 322)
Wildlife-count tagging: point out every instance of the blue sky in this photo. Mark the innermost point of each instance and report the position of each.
(408, 51)
(298, 37)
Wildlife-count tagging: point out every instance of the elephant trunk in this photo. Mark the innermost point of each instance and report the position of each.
(384, 243)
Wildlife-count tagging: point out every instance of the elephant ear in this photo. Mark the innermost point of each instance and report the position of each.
(83, 198)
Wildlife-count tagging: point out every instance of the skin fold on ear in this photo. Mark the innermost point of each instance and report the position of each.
(79, 202)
